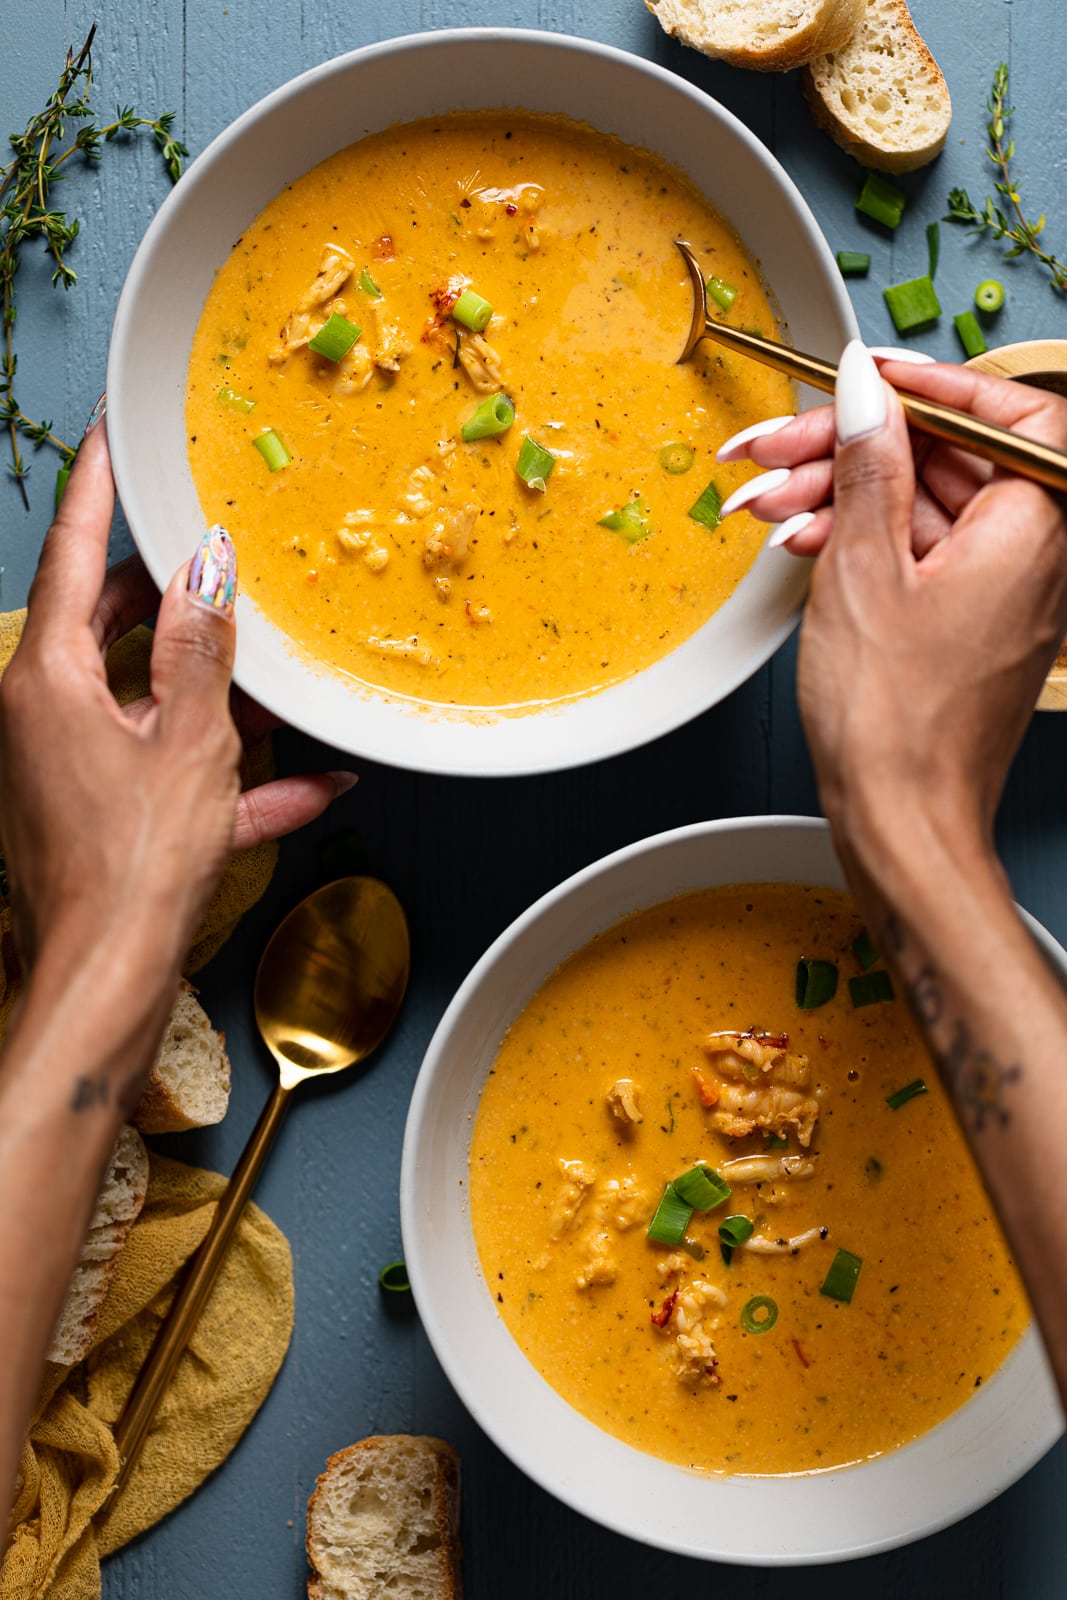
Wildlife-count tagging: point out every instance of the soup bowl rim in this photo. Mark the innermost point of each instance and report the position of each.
(147, 435)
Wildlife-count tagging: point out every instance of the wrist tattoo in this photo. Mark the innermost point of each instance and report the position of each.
(90, 1092)
(976, 1079)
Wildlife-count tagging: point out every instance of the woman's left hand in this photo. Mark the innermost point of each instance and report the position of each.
(118, 821)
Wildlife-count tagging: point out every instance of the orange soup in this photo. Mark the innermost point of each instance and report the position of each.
(849, 1291)
(333, 390)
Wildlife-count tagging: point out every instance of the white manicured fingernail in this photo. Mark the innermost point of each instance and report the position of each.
(785, 530)
(764, 483)
(735, 445)
(859, 395)
(889, 352)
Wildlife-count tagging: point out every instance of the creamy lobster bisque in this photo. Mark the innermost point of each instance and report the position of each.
(388, 547)
(645, 1340)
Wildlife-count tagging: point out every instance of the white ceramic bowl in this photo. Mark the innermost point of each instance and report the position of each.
(961, 1464)
(301, 124)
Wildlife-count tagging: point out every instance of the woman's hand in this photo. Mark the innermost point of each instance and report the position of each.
(116, 822)
(938, 601)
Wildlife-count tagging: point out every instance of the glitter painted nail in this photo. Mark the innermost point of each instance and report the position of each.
(96, 414)
(213, 574)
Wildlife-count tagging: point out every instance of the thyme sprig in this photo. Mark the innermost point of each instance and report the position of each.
(26, 214)
(1008, 223)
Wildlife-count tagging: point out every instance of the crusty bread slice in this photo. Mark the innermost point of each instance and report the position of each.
(384, 1520)
(189, 1085)
(766, 35)
(882, 96)
(117, 1208)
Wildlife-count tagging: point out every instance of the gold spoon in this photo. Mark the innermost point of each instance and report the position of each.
(999, 445)
(329, 986)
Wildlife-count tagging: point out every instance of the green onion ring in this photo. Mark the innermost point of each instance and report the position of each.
(759, 1303)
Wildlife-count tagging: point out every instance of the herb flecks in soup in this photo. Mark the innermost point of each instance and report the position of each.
(455, 346)
(739, 1234)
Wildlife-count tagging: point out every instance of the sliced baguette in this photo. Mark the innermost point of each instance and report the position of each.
(189, 1086)
(384, 1520)
(882, 96)
(117, 1208)
(765, 35)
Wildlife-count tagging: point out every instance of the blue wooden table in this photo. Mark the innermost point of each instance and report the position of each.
(354, 1368)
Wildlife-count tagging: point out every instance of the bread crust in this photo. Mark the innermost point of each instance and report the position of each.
(160, 1109)
(830, 28)
(831, 115)
(446, 1465)
(75, 1329)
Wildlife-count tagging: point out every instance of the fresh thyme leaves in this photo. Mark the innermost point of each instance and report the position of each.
(1008, 223)
(26, 214)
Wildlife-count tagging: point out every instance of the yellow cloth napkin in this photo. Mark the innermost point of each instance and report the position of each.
(69, 1460)
(246, 875)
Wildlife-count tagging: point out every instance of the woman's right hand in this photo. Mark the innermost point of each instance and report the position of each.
(947, 479)
(938, 599)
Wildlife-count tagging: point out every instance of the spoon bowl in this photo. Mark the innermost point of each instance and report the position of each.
(332, 979)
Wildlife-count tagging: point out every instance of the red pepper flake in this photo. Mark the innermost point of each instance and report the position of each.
(465, 202)
(661, 1317)
(384, 249)
(804, 1362)
(511, 208)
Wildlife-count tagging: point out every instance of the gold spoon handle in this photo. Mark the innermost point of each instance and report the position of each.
(1005, 449)
(1027, 457)
(177, 1328)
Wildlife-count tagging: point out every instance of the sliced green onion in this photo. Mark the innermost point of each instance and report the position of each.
(989, 296)
(816, 983)
(335, 338)
(840, 1282)
(237, 402)
(779, 1142)
(853, 263)
(494, 415)
(870, 988)
(735, 1230)
(707, 509)
(913, 304)
(671, 1219)
(693, 1249)
(368, 285)
(933, 247)
(702, 1188)
(881, 200)
(727, 1253)
(864, 950)
(723, 294)
(61, 483)
(535, 464)
(272, 450)
(677, 457)
(472, 311)
(630, 520)
(971, 336)
(394, 1278)
(759, 1315)
(902, 1096)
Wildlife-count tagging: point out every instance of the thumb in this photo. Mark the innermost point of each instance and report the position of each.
(874, 473)
(192, 653)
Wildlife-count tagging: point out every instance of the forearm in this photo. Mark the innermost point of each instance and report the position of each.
(996, 1020)
(85, 1034)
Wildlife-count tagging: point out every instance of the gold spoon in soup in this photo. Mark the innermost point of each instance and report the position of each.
(1005, 449)
(329, 987)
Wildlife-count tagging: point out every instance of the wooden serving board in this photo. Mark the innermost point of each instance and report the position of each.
(1042, 363)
